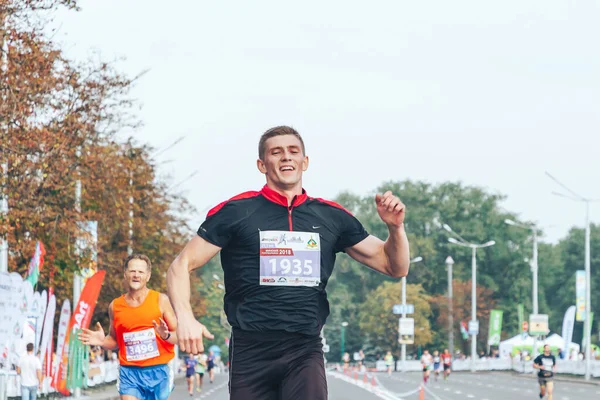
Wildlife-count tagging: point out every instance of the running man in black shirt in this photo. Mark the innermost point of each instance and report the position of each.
(546, 363)
(278, 248)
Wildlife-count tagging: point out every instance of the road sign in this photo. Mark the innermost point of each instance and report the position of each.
(473, 327)
(406, 331)
(403, 309)
(538, 324)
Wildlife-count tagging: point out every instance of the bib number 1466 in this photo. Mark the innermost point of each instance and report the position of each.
(293, 266)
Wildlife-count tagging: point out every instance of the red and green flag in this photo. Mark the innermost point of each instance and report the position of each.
(36, 264)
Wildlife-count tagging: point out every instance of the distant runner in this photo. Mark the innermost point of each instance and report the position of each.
(210, 366)
(426, 363)
(436, 364)
(190, 372)
(389, 362)
(447, 361)
(200, 368)
(546, 364)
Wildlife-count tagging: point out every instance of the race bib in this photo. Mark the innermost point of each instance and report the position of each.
(141, 345)
(290, 258)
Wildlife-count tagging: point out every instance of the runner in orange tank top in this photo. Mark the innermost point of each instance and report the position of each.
(143, 328)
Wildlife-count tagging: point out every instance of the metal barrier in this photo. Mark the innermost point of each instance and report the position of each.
(98, 374)
(3, 385)
(575, 367)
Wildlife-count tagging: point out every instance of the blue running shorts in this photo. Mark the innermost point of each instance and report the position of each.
(146, 383)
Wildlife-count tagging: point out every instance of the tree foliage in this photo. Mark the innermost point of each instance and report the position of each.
(59, 121)
(504, 278)
(381, 326)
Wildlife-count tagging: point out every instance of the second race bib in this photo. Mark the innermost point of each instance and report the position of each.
(290, 258)
(141, 345)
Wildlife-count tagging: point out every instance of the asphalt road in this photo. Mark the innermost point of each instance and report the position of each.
(405, 386)
(338, 390)
(486, 386)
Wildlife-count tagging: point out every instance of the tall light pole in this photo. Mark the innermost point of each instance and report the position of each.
(534, 270)
(462, 242)
(4, 163)
(344, 325)
(403, 356)
(449, 263)
(587, 328)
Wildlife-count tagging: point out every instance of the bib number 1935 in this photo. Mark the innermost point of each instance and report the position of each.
(294, 266)
(290, 258)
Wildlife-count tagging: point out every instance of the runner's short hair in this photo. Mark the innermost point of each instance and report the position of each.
(29, 346)
(277, 131)
(142, 257)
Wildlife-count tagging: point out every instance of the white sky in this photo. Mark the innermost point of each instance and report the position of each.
(489, 93)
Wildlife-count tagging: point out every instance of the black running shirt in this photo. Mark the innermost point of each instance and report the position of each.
(277, 258)
(548, 362)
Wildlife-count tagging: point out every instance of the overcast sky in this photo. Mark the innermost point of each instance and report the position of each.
(487, 93)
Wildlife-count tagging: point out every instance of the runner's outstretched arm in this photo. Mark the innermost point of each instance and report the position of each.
(391, 257)
(195, 254)
(97, 337)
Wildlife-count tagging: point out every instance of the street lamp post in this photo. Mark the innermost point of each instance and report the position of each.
(403, 347)
(4, 163)
(587, 328)
(534, 271)
(462, 242)
(449, 263)
(344, 325)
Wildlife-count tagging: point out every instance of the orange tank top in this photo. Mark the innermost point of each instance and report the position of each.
(139, 344)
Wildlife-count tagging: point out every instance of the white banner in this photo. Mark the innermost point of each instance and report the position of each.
(40, 319)
(5, 300)
(567, 328)
(63, 322)
(48, 329)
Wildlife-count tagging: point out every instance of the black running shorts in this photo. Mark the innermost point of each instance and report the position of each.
(276, 366)
(544, 380)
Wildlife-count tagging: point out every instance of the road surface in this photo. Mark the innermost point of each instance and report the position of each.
(405, 386)
(486, 386)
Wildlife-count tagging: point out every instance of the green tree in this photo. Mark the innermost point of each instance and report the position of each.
(557, 277)
(461, 303)
(470, 211)
(380, 325)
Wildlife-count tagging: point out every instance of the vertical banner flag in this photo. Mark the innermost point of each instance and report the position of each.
(48, 327)
(495, 327)
(591, 321)
(36, 264)
(63, 323)
(567, 328)
(82, 315)
(464, 330)
(580, 294)
(40, 320)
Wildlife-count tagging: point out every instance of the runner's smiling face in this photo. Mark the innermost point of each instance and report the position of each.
(137, 274)
(284, 162)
